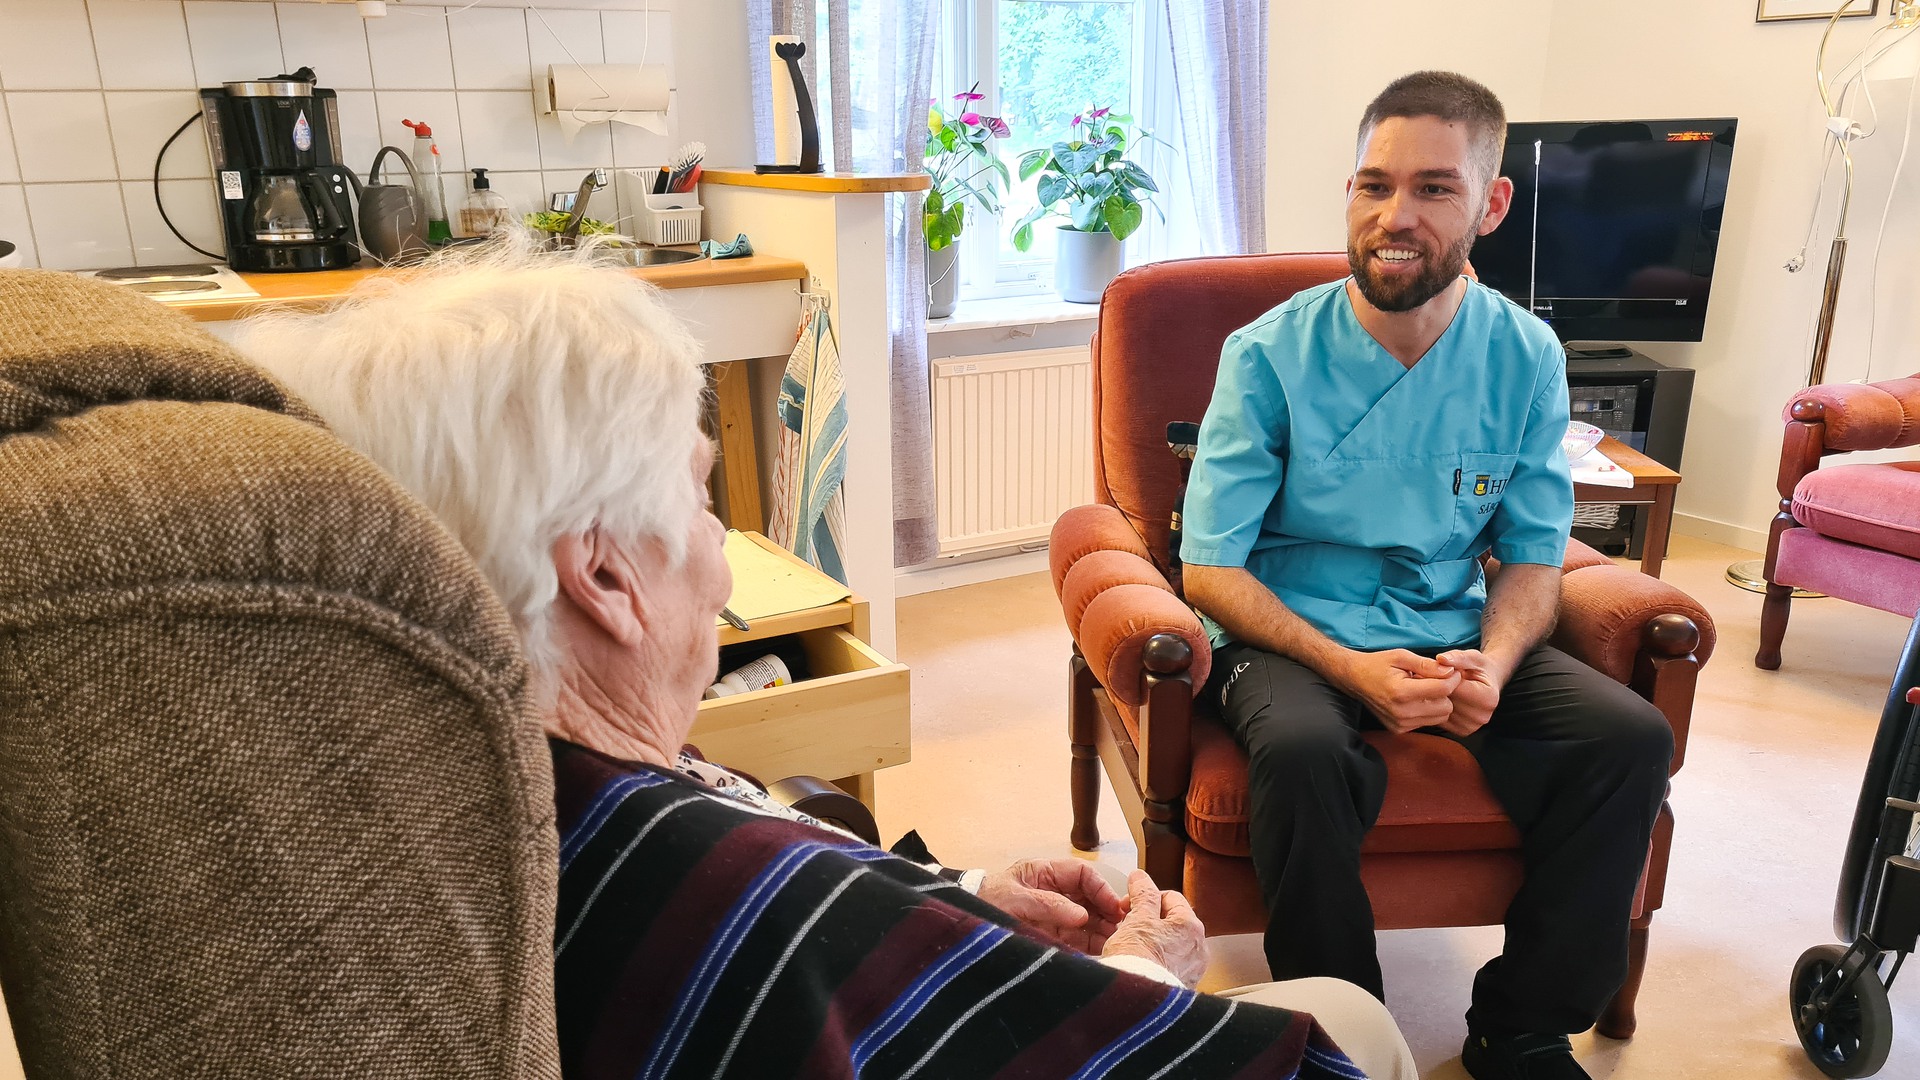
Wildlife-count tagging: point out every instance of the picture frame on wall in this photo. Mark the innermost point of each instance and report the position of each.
(1807, 10)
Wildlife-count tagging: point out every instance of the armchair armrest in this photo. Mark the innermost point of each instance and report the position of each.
(1117, 604)
(1861, 416)
(1640, 631)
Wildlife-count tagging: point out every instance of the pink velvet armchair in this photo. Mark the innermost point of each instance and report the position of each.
(1850, 531)
(1443, 853)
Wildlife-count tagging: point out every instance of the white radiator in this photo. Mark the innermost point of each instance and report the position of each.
(1012, 445)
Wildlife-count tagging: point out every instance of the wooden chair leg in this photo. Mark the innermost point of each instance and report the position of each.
(1773, 626)
(1083, 776)
(1619, 1021)
(1165, 859)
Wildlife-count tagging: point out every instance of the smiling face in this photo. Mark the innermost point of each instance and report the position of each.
(1415, 203)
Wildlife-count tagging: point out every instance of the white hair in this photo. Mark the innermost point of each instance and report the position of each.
(522, 395)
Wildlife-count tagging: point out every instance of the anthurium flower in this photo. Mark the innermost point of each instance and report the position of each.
(968, 95)
(1098, 113)
(998, 127)
(970, 118)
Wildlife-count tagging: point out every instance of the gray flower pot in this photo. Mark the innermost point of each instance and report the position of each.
(943, 280)
(1083, 264)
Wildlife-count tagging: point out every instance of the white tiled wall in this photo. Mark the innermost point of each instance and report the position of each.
(89, 89)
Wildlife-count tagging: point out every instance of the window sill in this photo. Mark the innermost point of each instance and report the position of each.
(1012, 311)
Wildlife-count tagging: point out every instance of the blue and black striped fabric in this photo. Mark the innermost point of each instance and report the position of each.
(698, 938)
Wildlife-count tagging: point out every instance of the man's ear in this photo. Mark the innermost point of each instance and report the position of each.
(600, 583)
(1499, 201)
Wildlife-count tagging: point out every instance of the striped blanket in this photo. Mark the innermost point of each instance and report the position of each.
(699, 938)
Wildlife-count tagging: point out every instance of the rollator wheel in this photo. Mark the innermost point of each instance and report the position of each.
(1851, 1036)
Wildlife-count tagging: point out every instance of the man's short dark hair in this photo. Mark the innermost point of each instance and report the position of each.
(1450, 97)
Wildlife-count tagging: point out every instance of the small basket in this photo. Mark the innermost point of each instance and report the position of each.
(660, 219)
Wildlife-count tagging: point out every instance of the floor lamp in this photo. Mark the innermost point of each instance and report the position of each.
(1750, 574)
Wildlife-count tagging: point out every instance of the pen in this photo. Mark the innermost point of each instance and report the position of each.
(733, 620)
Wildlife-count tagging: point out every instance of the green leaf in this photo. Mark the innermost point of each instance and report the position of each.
(1086, 215)
(1032, 162)
(1138, 176)
(1100, 186)
(1023, 231)
(1052, 188)
(1123, 216)
(935, 203)
(1077, 160)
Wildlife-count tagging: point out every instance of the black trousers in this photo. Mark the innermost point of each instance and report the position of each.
(1578, 761)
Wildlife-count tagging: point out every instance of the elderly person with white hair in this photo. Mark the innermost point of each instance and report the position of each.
(547, 409)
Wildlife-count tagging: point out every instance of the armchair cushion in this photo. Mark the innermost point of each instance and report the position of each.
(1436, 798)
(1877, 506)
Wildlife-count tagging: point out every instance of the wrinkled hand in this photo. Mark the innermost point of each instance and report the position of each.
(1161, 927)
(1066, 898)
(1405, 690)
(1477, 694)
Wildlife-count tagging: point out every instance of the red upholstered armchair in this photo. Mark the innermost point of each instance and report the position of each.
(1443, 853)
(1850, 531)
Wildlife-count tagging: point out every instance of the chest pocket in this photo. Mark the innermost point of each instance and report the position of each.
(1480, 487)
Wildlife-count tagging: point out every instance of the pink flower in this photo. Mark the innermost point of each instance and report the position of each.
(998, 127)
(1098, 113)
(970, 118)
(1078, 119)
(968, 95)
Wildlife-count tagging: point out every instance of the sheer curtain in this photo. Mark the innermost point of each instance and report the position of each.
(880, 64)
(1220, 68)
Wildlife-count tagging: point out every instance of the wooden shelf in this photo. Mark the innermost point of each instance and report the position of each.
(830, 183)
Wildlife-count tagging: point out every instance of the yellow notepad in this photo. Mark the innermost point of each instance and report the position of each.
(766, 584)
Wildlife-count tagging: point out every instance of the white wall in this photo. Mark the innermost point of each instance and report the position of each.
(1326, 61)
(1714, 60)
(1576, 60)
(90, 88)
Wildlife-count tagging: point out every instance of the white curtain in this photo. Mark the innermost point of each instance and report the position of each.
(880, 63)
(1220, 67)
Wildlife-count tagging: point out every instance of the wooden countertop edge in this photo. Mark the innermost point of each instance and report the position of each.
(831, 183)
(316, 290)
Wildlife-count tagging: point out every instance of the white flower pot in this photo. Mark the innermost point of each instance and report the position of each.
(1083, 264)
(943, 280)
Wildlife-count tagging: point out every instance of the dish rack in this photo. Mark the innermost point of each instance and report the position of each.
(659, 219)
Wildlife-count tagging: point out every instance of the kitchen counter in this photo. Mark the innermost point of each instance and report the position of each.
(317, 289)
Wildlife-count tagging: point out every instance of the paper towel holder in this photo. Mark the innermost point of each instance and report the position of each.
(791, 52)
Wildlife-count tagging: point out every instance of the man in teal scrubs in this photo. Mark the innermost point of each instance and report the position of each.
(1367, 441)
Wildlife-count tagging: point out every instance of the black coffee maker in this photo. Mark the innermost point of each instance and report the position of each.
(275, 145)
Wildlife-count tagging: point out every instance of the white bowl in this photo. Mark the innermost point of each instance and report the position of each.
(1579, 439)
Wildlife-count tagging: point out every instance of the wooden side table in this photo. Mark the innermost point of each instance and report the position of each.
(848, 720)
(1654, 486)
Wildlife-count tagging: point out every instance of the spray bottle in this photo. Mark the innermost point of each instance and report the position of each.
(426, 157)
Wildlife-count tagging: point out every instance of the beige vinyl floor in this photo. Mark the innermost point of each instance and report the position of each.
(1763, 807)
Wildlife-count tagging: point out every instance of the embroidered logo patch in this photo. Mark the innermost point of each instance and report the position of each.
(1481, 483)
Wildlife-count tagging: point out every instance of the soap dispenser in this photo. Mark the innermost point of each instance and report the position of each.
(485, 212)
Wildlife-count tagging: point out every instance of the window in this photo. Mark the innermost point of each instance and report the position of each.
(1040, 62)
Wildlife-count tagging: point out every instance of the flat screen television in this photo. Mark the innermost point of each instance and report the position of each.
(1614, 226)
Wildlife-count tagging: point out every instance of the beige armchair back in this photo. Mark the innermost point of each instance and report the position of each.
(273, 802)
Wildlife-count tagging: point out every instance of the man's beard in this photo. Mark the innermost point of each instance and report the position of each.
(1405, 295)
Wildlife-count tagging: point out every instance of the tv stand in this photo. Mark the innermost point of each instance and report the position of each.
(1644, 404)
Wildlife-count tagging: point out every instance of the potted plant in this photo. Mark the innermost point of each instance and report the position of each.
(1088, 179)
(965, 173)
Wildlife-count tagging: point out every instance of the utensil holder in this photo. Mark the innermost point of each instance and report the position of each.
(673, 218)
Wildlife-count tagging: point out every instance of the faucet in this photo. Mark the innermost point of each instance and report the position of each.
(594, 181)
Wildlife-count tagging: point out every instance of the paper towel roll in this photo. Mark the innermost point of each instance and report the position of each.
(582, 94)
(786, 113)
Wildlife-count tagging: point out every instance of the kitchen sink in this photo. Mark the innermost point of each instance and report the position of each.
(647, 255)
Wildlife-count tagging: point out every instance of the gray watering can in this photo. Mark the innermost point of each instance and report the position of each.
(392, 218)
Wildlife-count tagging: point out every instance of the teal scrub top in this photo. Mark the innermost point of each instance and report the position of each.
(1361, 491)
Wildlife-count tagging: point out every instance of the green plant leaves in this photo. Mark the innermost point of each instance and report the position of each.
(1123, 216)
(1077, 158)
(1032, 162)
